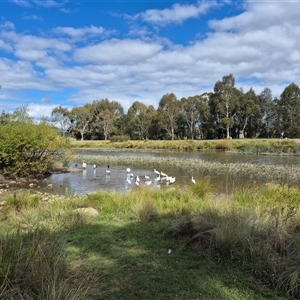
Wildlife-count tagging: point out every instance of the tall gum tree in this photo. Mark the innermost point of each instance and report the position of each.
(224, 103)
(268, 114)
(168, 110)
(140, 119)
(288, 108)
(105, 113)
(81, 118)
(194, 111)
(61, 116)
(248, 110)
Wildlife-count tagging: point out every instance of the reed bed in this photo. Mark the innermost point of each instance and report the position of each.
(270, 173)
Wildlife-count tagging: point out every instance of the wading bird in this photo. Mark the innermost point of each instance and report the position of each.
(107, 171)
(193, 180)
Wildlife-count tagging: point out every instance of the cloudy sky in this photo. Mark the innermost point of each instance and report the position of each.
(70, 53)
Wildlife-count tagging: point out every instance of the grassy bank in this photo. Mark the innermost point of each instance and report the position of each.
(257, 146)
(152, 244)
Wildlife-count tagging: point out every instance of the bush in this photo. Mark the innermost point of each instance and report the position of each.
(28, 148)
(224, 145)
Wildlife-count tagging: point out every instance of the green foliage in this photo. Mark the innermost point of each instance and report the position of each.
(18, 201)
(29, 149)
(202, 187)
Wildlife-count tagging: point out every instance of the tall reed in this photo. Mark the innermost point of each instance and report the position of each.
(33, 266)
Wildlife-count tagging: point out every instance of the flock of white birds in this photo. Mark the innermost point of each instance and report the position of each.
(159, 177)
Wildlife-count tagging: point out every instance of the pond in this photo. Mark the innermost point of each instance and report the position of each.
(90, 179)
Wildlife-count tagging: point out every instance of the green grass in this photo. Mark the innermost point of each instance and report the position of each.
(153, 244)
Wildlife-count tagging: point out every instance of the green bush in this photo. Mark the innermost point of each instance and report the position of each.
(28, 148)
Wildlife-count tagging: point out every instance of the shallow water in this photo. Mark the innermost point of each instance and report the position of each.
(91, 179)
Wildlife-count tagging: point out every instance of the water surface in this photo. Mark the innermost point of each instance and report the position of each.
(89, 180)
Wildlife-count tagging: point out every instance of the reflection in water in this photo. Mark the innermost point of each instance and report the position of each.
(118, 179)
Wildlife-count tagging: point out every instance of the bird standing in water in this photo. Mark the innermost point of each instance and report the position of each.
(107, 170)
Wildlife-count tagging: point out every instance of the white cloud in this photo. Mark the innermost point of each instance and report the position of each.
(115, 51)
(32, 17)
(260, 47)
(79, 32)
(24, 3)
(177, 13)
(37, 111)
(7, 25)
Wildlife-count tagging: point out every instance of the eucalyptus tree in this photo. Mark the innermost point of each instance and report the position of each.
(168, 111)
(195, 111)
(105, 120)
(140, 116)
(249, 108)
(61, 116)
(105, 113)
(288, 109)
(121, 125)
(81, 118)
(268, 114)
(224, 104)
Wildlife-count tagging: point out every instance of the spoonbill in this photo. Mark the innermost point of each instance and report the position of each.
(193, 180)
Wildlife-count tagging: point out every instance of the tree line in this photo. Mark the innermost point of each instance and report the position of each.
(227, 112)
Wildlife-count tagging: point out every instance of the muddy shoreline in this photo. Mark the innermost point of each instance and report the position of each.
(7, 180)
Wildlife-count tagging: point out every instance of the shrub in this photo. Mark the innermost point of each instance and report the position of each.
(224, 145)
(29, 149)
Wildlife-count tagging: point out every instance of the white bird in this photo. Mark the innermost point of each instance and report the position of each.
(95, 166)
(84, 165)
(137, 178)
(108, 170)
(193, 180)
(171, 179)
(163, 174)
(156, 172)
(148, 182)
(128, 170)
(147, 177)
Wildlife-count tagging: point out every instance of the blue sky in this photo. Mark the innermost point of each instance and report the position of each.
(69, 53)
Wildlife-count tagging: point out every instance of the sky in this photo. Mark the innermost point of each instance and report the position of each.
(68, 53)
